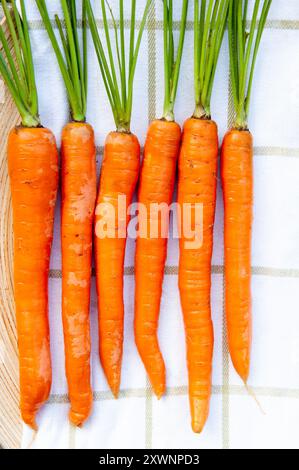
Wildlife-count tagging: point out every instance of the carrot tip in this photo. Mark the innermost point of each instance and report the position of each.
(197, 427)
(78, 419)
(242, 371)
(32, 439)
(115, 392)
(253, 395)
(30, 421)
(159, 392)
(114, 385)
(76, 423)
(199, 413)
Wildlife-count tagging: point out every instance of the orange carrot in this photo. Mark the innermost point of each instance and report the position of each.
(78, 203)
(197, 184)
(118, 178)
(156, 187)
(33, 171)
(237, 181)
(198, 164)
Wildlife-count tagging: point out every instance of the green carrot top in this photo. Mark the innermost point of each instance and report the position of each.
(72, 58)
(16, 64)
(209, 27)
(172, 65)
(118, 74)
(244, 48)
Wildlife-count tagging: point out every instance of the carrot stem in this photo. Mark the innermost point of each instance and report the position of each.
(18, 72)
(71, 60)
(243, 47)
(261, 27)
(123, 52)
(109, 49)
(172, 64)
(216, 37)
(119, 91)
(132, 32)
(209, 27)
(135, 59)
(64, 43)
(20, 85)
(15, 40)
(166, 58)
(29, 61)
(21, 38)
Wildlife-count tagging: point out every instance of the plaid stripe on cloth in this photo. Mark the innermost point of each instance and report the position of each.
(137, 419)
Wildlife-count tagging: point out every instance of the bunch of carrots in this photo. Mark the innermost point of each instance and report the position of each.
(33, 170)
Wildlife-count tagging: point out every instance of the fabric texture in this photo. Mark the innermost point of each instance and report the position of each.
(137, 419)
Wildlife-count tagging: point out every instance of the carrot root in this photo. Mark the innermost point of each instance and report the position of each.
(199, 412)
(78, 203)
(34, 435)
(197, 185)
(33, 171)
(118, 179)
(237, 181)
(253, 395)
(156, 187)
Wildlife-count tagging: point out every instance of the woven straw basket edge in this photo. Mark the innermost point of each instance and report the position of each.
(10, 423)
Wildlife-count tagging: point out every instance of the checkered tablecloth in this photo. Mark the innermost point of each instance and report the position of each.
(137, 419)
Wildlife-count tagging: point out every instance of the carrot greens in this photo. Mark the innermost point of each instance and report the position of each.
(209, 27)
(118, 75)
(16, 64)
(72, 58)
(243, 47)
(172, 65)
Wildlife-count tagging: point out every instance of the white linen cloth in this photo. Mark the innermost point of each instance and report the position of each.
(137, 419)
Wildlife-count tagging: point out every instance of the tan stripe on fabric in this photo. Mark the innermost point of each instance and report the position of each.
(238, 390)
(225, 349)
(267, 151)
(270, 24)
(152, 56)
(216, 269)
(276, 152)
(72, 436)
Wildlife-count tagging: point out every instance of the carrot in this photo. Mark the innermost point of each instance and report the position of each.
(77, 211)
(78, 203)
(237, 182)
(197, 185)
(118, 179)
(33, 171)
(156, 187)
(160, 159)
